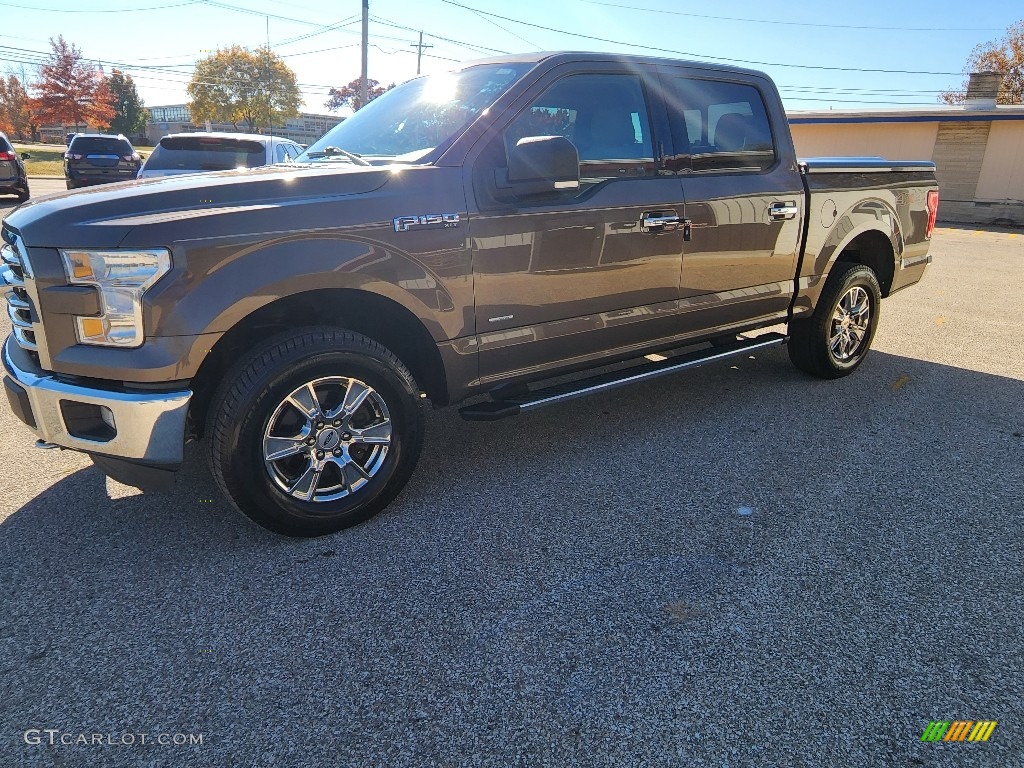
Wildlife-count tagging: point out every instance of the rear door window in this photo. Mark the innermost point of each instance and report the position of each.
(287, 152)
(203, 153)
(718, 126)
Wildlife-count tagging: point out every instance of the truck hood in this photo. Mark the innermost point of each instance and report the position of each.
(102, 216)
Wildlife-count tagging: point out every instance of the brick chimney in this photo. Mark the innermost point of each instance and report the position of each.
(982, 89)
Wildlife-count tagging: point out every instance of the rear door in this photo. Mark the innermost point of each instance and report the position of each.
(561, 281)
(744, 197)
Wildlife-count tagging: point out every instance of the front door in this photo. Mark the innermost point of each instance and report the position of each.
(564, 281)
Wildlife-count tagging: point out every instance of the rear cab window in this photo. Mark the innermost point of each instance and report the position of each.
(205, 153)
(717, 126)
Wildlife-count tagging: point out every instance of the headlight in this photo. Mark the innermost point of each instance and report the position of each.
(121, 277)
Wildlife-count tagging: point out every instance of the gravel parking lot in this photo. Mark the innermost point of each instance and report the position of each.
(574, 587)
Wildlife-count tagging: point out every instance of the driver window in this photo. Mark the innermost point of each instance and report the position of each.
(605, 116)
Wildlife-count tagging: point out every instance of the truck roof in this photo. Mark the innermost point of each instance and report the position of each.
(561, 57)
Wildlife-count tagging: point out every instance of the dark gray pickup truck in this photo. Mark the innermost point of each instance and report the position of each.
(473, 233)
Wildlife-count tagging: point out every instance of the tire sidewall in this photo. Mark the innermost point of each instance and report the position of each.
(247, 472)
(854, 276)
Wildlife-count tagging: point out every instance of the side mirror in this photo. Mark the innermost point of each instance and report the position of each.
(540, 165)
(25, 155)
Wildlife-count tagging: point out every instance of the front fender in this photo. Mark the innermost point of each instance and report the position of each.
(216, 285)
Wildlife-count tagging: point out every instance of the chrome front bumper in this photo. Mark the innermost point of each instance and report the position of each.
(147, 427)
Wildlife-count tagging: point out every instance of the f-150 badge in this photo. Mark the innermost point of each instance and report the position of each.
(431, 220)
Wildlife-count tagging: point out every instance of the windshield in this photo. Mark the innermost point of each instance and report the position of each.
(407, 122)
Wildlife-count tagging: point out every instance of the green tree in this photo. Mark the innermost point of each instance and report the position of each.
(15, 115)
(349, 95)
(130, 110)
(70, 91)
(236, 86)
(1003, 55)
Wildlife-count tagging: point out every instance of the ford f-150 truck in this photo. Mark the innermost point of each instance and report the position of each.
(472, 233)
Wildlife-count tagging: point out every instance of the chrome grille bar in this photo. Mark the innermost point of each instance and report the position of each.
(12, 285)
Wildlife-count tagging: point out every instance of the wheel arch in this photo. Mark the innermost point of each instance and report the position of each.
(875, 250)
(370, 314)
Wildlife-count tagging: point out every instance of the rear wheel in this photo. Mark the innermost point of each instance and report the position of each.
(23, 195)
(834, 341)
(316, 431)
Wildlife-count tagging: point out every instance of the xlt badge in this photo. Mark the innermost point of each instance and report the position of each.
(433, 220)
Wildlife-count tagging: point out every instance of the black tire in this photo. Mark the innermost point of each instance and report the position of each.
(70, 184)
(811, 339)
(252, 401)
(23, 195)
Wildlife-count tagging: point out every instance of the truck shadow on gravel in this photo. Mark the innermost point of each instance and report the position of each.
(500, 595)
(706, 419)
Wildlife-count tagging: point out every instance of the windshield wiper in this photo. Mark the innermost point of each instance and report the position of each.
(336, 152)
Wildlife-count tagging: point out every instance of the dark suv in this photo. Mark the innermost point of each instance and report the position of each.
(100, 159)
(13, 180)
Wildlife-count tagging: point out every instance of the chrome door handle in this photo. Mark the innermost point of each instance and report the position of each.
(661, 221)
(780, 211)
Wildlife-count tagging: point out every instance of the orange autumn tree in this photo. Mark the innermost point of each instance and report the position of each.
(15, 116)
(70, 91)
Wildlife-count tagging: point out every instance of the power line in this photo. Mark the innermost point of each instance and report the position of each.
(508, 31)
(251, 12)
(314, 92)
(790, 23)
(339, 27)
(470, 46)
(699, 55)
(98, 10)
(330, 28)
(319, 50)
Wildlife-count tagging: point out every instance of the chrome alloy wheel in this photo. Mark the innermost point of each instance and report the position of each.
(850, 324)
(327, 439)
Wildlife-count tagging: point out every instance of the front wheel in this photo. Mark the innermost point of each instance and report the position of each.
(316, 431)
(834, 341)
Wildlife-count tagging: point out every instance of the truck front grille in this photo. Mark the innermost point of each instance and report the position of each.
(14, 269)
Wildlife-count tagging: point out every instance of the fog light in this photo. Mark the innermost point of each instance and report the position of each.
(88, 421)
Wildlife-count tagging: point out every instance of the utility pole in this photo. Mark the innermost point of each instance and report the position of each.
(364, 85)
(270, 127)
(419, 52)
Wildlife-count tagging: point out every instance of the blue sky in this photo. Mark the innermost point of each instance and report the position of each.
(157, 41)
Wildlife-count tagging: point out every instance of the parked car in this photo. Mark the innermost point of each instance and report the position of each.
(474, 233)
(94, 158)
(180, 153)
(13, 178)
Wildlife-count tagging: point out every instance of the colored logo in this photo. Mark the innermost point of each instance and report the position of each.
(959, 730)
